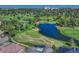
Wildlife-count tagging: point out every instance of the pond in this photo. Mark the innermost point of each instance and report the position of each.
(50, 30)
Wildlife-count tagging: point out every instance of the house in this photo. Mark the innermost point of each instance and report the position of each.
(40, 49)
(9, 47)
(1, 32)
(0, 22)
(3, 38)
(12, 48)
(68, 50)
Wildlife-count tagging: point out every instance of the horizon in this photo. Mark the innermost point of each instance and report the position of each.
(39, 6)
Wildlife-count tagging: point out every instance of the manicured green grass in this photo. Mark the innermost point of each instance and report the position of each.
(31, 37)
(71, 32)
(33, 33)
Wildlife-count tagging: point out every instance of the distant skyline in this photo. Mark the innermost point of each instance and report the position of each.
(39, 6)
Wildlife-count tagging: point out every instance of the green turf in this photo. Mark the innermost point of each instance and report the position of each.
(32, 37)
(71, 32)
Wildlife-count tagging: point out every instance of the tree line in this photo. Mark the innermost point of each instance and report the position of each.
(20, 19)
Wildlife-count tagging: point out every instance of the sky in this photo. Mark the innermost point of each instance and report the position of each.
(39, 6)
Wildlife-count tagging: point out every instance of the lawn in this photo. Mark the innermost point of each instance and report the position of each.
(31, 38)
(71, 32)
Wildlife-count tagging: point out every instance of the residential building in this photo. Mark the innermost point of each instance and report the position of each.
(12, 48)
(40, 49)
(3, 38)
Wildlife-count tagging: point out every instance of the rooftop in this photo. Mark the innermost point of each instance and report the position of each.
(68, 50)
(3, 38)
(1, 32)
(11, 48)
(40, 49)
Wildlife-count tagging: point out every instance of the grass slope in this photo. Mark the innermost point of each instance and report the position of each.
(72, 32)
(31, 38)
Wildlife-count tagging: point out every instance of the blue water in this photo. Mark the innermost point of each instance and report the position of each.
(50, 30)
